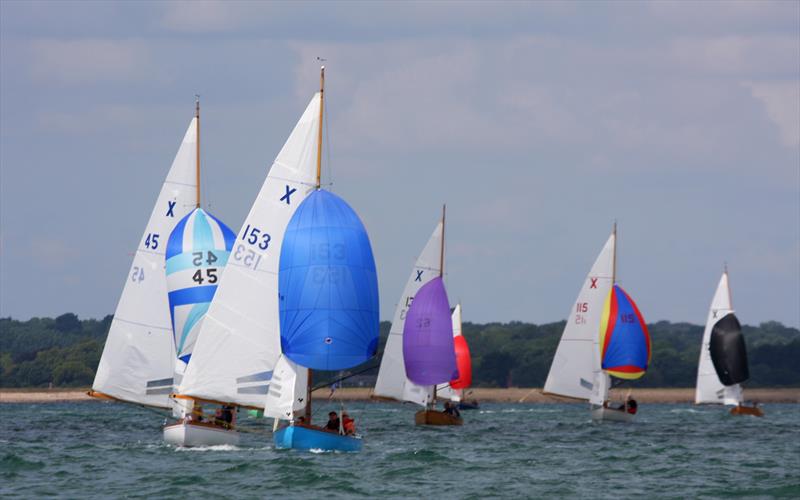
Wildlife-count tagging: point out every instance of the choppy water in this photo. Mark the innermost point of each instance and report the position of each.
(106, 449)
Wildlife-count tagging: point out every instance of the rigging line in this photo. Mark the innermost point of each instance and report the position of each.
(329, 163)
(341, 379)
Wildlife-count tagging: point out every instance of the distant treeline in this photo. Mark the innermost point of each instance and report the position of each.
(65, 351)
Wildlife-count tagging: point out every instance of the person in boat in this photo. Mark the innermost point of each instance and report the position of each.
(227, 414)
(348, 424)
(629, 406)
(333, 422)
(450, 409)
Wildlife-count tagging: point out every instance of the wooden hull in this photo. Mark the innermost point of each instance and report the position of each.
(432, 417)
(306, 438)
(601, 414)
(199, 434)
(754, 411)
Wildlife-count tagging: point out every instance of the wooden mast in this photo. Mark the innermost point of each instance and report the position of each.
(441, 275)
(441, 250)
(319, 183)
(319, 134)
(614, 263)
(197, 147)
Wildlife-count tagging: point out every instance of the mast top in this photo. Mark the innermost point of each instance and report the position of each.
(319, 135)
(197, 147)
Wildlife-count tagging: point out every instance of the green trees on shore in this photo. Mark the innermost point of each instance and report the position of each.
(64, 351)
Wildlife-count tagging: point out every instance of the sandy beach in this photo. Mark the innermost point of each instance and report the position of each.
(511, 395)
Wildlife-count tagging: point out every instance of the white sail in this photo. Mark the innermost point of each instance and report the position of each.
(709, 388)
(392, 381)
(287, 390)
(239, 342)
(139, 354)
(444, 391)
(575, 371)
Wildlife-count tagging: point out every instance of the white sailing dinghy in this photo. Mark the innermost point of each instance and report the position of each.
(238, 346)
(196, 253)
(393, 379)
(139, 355)
(605, 335)
(723, 359)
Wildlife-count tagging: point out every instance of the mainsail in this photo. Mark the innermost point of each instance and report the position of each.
(576, 370)
(239, 342)
(392, 381)
(139, 353)
(710, 388)
(197, 251)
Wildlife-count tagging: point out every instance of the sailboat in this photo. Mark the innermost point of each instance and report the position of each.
(454, 390)
(723, 363)
(420, 352)
(329, 311)
(196, 253)
(605, 336)
(238, 347)
(139, 354)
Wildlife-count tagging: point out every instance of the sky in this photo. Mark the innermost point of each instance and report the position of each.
(539, 124)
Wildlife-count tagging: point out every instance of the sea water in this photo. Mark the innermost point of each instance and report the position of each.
(101, 449)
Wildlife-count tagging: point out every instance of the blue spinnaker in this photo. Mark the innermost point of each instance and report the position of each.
(328, 286)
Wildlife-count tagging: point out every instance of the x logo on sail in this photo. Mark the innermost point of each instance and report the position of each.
(287, 196)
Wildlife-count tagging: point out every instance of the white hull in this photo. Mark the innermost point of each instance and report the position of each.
(600, 414)
(188, 434)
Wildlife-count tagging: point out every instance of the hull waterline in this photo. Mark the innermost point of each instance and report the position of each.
(307, 438)
(432, 417)
(600, 414)
(198, 434)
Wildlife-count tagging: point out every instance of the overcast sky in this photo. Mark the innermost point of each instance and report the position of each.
(538, 123)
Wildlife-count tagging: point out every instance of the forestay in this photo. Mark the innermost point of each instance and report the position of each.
(197, 251)
(139, 353)
(392, 381)
(576, 365)
(239, 341)
(709, 387)
(328, 286)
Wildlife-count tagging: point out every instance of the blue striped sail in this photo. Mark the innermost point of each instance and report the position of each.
(197, 251)
(328, 286)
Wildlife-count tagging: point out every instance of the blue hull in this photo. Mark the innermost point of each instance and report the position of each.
(303, 438)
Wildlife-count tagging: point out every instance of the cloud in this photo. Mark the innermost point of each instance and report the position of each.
(212, 16)
(89, 61)
(782, 103)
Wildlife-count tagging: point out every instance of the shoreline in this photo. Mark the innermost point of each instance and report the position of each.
(483, 395)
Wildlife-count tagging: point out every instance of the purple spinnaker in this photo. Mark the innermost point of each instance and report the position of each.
(428, 350)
